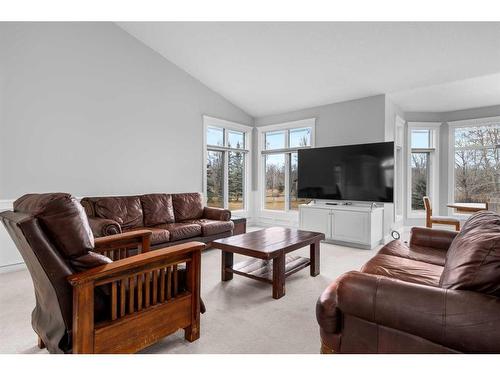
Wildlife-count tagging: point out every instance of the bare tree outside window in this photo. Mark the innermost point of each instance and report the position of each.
(215, 179)
(477, 163)
(419, 179)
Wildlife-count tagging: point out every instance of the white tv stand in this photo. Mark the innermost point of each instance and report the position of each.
(355, 224)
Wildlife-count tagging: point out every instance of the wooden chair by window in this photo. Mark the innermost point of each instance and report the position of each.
(430, 219)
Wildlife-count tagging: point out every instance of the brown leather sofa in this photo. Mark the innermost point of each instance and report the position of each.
(173, 218)
(439, 294)
(87, 303)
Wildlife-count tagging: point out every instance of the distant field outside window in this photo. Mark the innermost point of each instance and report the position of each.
(275, 182)
(294, 200)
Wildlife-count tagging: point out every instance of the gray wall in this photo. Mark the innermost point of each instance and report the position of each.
(86, 108)
(354, 121)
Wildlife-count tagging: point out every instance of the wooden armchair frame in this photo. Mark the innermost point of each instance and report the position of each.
(145, 302)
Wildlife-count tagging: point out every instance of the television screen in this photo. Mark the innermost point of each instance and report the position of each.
(356, 172)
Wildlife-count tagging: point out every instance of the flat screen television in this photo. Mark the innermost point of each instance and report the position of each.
(363, 172)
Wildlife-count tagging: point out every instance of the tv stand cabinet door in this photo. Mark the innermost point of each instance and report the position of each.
(316, 220)
(351, 226)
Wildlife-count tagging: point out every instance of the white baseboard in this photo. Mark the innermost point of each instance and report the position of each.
(12, 267)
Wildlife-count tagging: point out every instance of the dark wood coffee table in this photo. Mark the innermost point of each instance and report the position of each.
(269, 248)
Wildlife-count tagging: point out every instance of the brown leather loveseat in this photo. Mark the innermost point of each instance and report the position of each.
(440, 294)
(173, 218)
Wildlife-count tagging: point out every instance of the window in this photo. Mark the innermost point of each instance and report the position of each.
(227, 163)
(279, 159)
(423, 166)
(475, 160)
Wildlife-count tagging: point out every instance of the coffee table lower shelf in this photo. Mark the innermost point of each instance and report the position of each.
(262, 270)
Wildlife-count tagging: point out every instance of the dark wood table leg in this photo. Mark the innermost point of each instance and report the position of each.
(314, 257)
(227, 261)
(279, 276)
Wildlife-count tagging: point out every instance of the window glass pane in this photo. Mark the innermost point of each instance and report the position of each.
(419, 179)
(300, 137)
(477, 136)
(294, 201)
(235, 139)
(420, 138)
(275, 182)
(236, 182)
(477, 163)
(215, 136)
(477, 175)
(275, 140)
(215, 179)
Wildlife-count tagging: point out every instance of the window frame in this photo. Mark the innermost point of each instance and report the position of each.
(433, 150)
(452, 126)
(226, 125)
(262, 152)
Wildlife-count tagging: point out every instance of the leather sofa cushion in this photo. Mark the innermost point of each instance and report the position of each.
(473, 260)
(180, 231)
(158, 209)
(212, 227)
(414, 252)
(187, 206)
(126, 211)
(64, 220)
(159, 235)
(403, 269)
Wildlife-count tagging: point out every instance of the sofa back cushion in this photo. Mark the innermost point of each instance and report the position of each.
(126, 211)
(158, 209)
(187, 206)
(473, 259)
(63, 219)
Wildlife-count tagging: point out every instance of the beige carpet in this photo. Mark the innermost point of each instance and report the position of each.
(241, 316)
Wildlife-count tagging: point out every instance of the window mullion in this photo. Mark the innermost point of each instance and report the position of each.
(226, 179)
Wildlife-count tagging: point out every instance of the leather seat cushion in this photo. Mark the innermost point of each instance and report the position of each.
(126, 211)
(180, 231)
(418, 253)
(187, 206)
(159, 235)
(211, 227)
(404, 269)
(473, 259)
(158, 209)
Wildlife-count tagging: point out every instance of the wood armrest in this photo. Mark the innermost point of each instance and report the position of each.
(114, 238)
(136, 262)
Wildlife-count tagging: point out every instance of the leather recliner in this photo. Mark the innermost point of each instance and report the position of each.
(440, 294)
(87, 303)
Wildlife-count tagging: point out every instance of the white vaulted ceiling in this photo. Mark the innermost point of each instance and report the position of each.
(268, 68)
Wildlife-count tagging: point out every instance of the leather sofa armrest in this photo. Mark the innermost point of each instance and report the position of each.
(213, 213)
(435, 238)
(462, 320)
(327, 313)
(104, 227)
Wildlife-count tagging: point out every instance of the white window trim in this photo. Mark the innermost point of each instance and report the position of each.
(434, 167)
(399, 170)
(230, 125)
(305, 123)
(452, 125)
